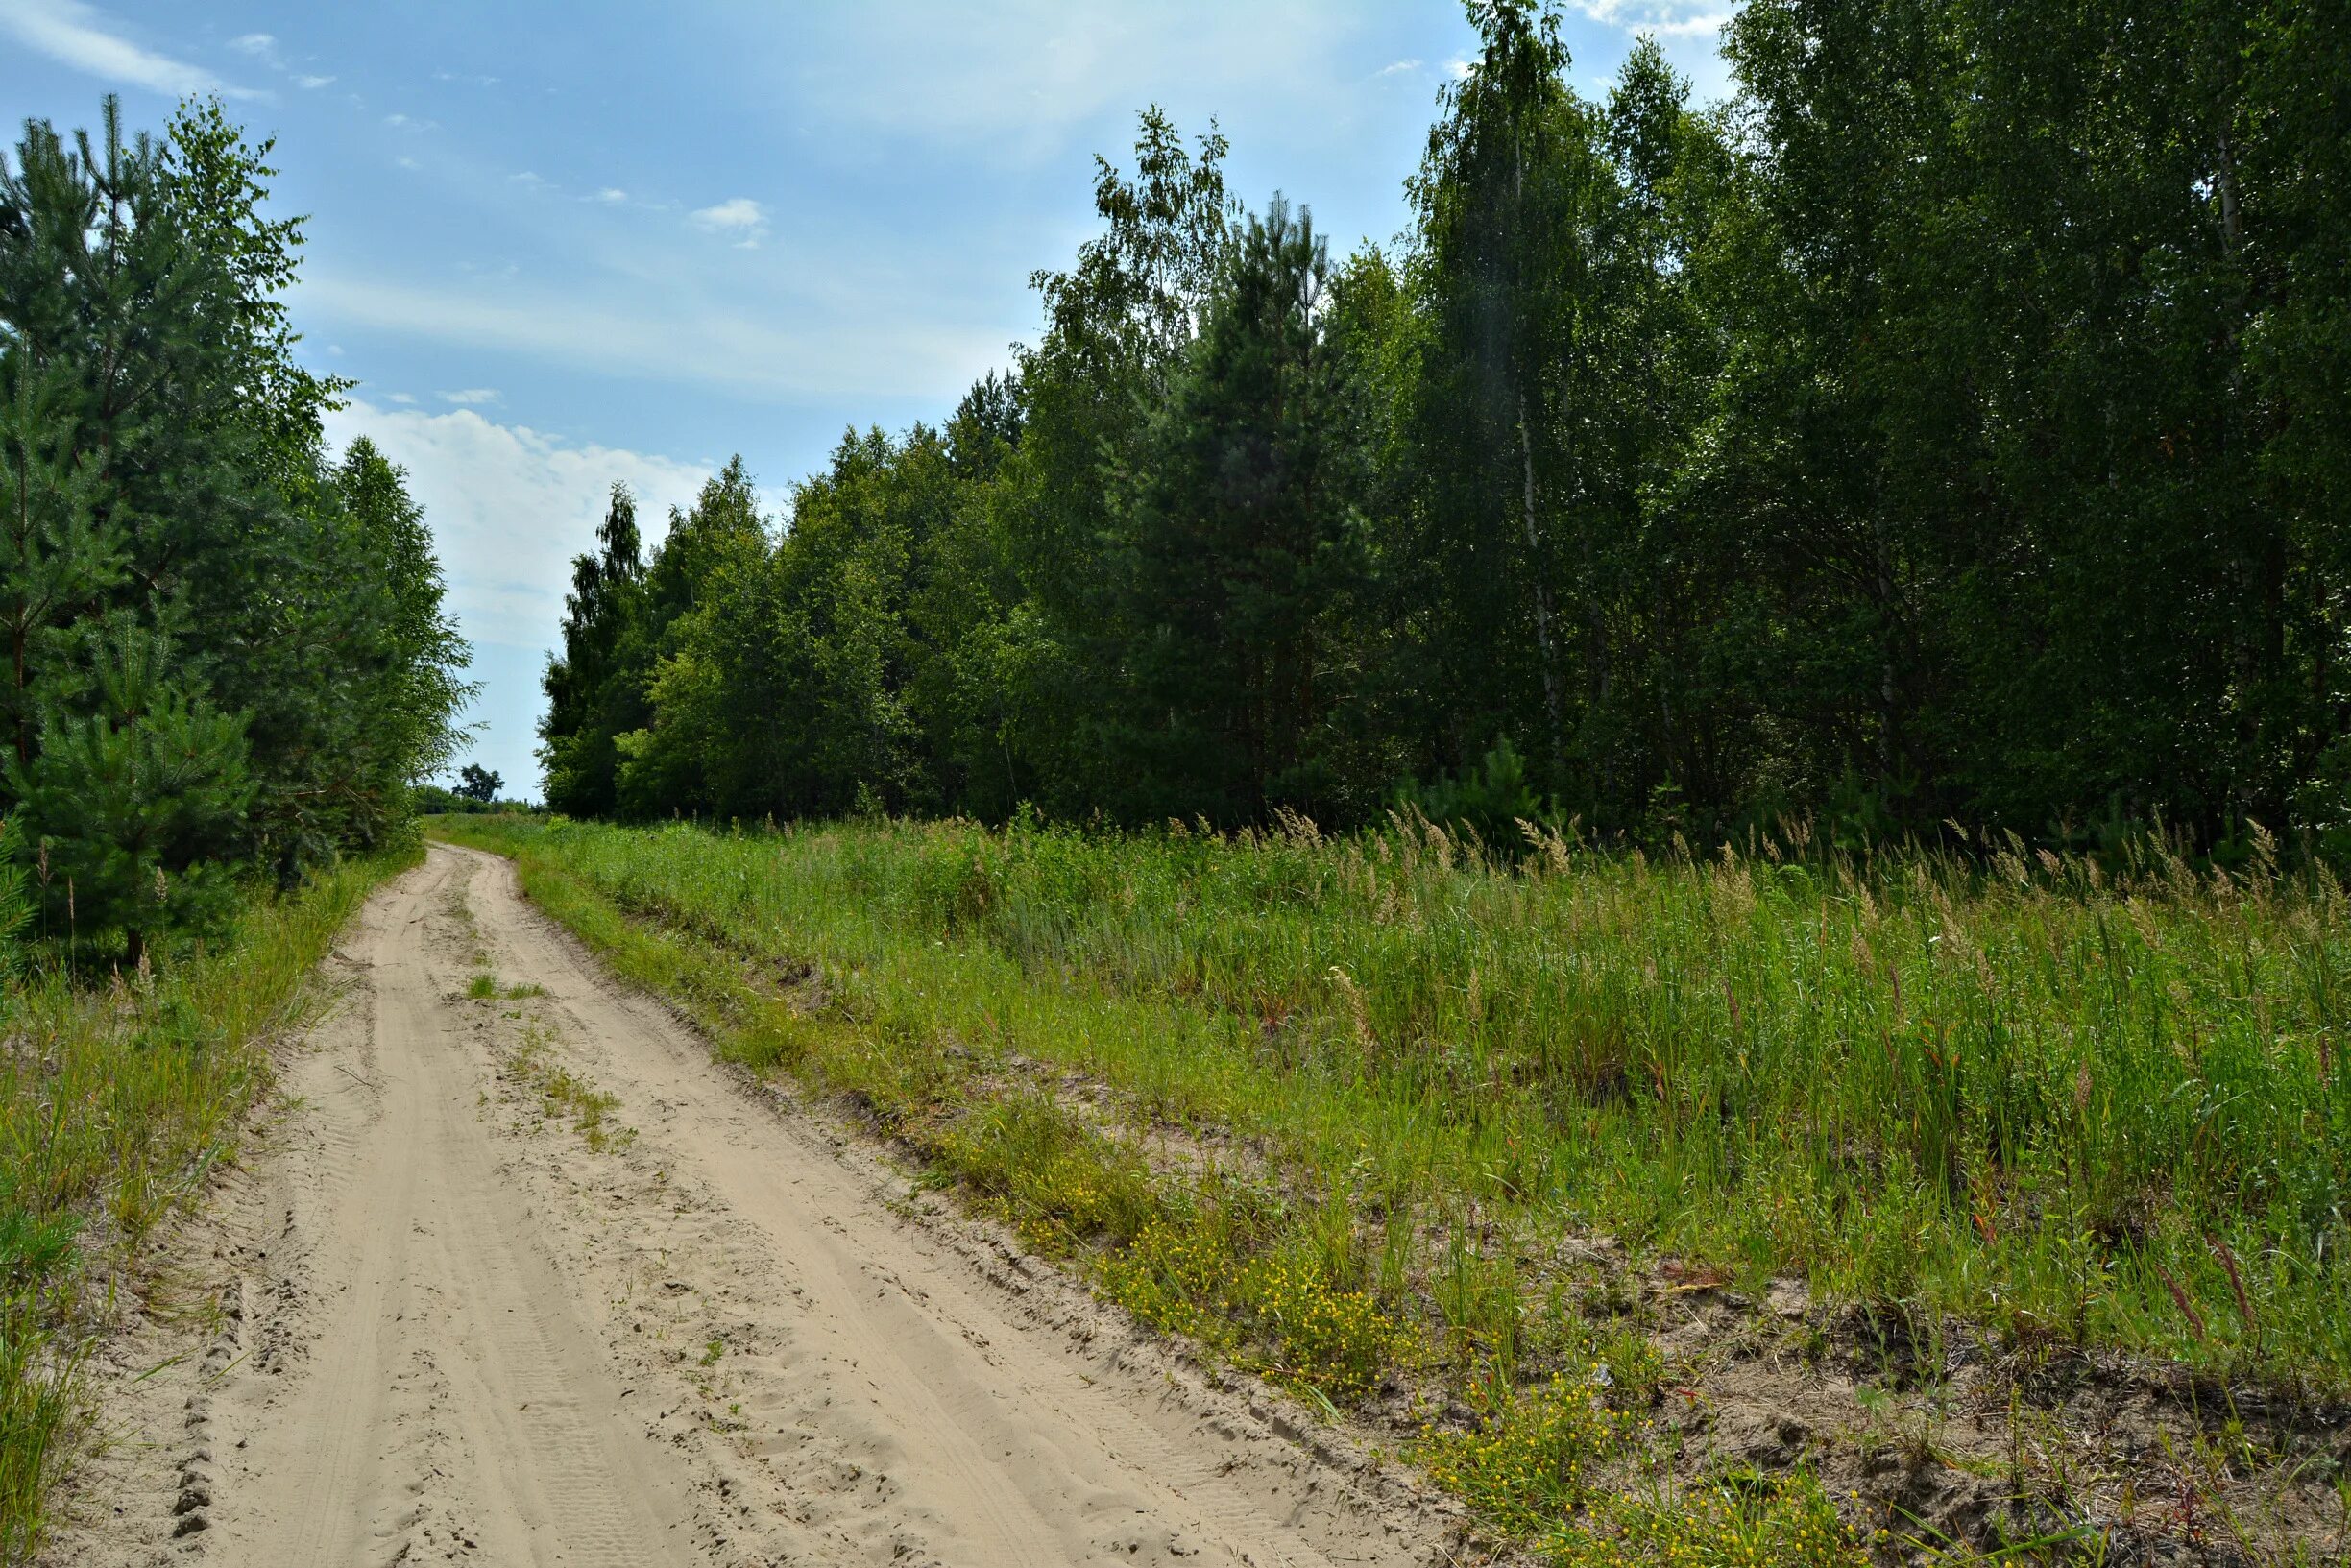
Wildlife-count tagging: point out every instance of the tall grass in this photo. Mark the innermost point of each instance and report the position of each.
(2101, 1106)
(116, 1101)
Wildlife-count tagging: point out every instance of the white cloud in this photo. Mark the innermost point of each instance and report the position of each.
(1665, 19)
(311, 83)
(1025, 73)
(613, 194)
(852, 351)
(470, 396)
(261, 46)
(403, 397)
(74, 35)
(509, 507)
(741, 217)
(1399, 68)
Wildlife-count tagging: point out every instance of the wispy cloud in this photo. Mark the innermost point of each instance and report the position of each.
(612, 194)
(74, 35)
(1402, 67)
(262, 46)
(470, 396)
(1666, 18)
(855, 354)
(742, 219)
(311, 83)
(1026, 73)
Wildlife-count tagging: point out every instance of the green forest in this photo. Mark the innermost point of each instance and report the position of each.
(228, 670)
(227, 661)
(1945, 428)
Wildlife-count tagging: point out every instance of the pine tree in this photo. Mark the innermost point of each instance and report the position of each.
(596, 686)
(135, 799)
(1244, 559)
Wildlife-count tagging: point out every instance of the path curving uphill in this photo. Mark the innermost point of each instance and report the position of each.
(428, 1320)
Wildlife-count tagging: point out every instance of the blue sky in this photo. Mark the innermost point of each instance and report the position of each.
(560, 243)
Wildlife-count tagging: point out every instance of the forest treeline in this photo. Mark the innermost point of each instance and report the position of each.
(1950, 424)
(224, 657)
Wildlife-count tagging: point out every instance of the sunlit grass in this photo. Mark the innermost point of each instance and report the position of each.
(2079, 1103)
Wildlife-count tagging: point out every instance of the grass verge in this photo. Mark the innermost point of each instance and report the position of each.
(1342, 1112)
(116, 1102)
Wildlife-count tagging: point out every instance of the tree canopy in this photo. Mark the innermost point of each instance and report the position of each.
(1945, 427)
(225, 646)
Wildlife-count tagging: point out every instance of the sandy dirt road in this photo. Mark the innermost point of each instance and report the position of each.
(426, 1320)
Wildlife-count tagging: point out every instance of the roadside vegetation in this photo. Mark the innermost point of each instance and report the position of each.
(1437, 1011)
(1447, 1140)
(118, 1101)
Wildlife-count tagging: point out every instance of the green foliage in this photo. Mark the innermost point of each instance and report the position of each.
(1729, 1522)
(135, 800)
(595, 686)
(1490, 802)
(1942, 428)
(1533, 1461)
(1279, 1311)
(222, 650)
(1241, 560)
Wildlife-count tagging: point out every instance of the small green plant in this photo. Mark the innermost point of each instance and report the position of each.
(561, 1095)
(1174, 1279)
(1735, 1521)
(1535, 1458)
(1280, 1314)
(1322, 1335)
(485, 987)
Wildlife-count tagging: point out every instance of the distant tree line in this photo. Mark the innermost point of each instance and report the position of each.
(1950, 426)
(223, 650)
(476, 792)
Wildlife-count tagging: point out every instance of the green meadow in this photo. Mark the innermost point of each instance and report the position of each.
(1336, 1108)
